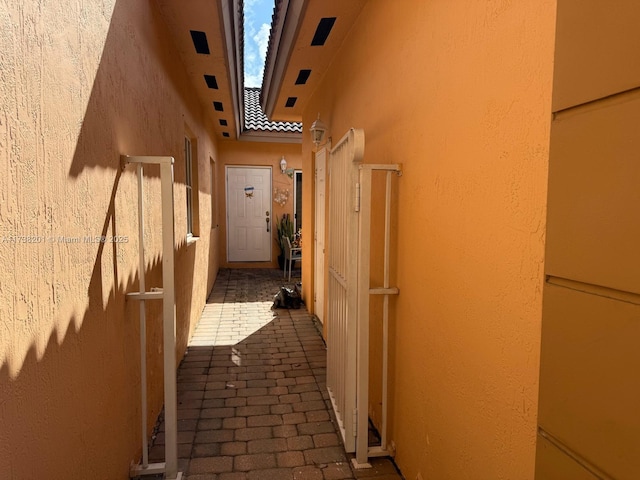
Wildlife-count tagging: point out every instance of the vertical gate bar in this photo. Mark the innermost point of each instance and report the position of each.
(364, 267)
(169, 324)
(351, 268)
(344, 327)
(143, 322)
(385, 312)
(344, 208)
(338, 288)
(387, 229)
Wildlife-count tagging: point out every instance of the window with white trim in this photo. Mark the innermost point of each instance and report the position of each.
(191, 186)
(214, 202)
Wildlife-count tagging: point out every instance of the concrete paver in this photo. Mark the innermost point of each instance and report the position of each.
(252, 399)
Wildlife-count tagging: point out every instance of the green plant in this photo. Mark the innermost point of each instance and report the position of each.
(284, 228)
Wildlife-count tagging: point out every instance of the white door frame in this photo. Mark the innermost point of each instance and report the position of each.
(319, 240)
(296, 221)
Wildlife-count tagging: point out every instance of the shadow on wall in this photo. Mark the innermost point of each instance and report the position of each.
(83, 394)
(137, 99)
(77, 405)
(70, 401)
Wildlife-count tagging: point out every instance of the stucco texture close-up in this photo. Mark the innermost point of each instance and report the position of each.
(460, 95)
(81, 84)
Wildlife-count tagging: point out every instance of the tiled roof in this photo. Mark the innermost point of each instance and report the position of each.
(255, 119)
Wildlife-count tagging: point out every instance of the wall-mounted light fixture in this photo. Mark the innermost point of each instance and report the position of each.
(283, 165)
(318, 129)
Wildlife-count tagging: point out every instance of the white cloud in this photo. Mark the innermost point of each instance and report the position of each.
(255, 51)
(262, 40)
(253, 80)
(256, 40)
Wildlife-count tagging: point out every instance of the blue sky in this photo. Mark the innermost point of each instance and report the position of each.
(257, 25)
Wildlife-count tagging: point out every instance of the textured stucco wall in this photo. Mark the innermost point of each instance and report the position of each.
(257, 154)
(82, 83)
(460, 94)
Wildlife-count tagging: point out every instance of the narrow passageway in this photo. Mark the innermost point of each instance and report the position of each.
(252, 401)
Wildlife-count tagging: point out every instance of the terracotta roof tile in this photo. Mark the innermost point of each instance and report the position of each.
(255, 119)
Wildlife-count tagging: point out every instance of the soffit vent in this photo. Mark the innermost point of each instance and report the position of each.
(211, 81)
(200, 42)
(303, 76)
(322, 31)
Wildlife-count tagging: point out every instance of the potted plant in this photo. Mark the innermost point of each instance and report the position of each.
(284, 228)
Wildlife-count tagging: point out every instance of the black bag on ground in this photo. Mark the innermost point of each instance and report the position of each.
(287, 298)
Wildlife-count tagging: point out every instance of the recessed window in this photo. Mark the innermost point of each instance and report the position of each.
(200, 42)
(191, 186)
(218, 106)
(322, 31)
(223, 122)
(211, 81)
(225, 134)
(303, 76)
(291, 101)
(214, 203)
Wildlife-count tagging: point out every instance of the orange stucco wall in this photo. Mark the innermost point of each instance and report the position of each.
(460, 94)
(83, 83)
(263, 154)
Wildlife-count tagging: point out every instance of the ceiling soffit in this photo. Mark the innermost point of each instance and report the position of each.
(305, 37)
(197, 26)
(209, 38)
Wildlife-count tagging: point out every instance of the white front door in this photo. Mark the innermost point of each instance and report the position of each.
(319, 220)
(248, 209)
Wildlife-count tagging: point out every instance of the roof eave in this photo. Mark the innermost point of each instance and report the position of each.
(284, 32)
(271, 137)
(232, 17)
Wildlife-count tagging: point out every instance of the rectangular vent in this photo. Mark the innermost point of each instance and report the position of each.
(303, 76)
(218, 106)
(322, 31)
(211, 81)
(200, 42)
(225, 134)
(223, 122)
(291, 101)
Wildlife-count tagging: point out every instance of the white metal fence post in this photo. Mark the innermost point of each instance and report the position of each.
(167, 295)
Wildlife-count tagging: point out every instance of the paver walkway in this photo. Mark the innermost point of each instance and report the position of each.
(252, 402)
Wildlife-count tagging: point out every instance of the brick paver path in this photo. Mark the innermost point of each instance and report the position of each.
(252, 402)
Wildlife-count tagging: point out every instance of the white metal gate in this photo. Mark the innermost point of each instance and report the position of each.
(343, 282)
(349, 290)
